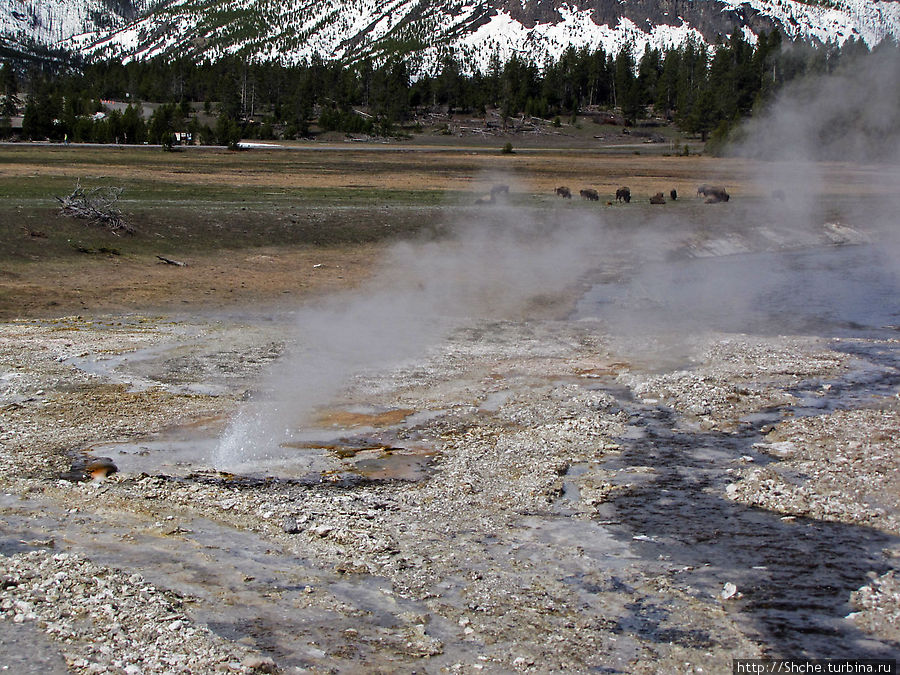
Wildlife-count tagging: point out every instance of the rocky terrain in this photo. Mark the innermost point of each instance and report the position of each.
(686, 456)
(512, 544)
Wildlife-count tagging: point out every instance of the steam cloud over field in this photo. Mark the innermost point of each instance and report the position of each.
(498, 259)
(494, 264)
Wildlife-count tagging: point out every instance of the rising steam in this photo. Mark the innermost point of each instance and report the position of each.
(494, 264)
(852, 114)
(498, 259)
(823, 168)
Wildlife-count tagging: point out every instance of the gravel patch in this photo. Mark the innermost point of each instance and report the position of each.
(107, 621)
(828, 470)
(736, 376)
(497, 560)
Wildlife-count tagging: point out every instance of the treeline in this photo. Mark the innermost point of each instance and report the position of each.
(702, 89)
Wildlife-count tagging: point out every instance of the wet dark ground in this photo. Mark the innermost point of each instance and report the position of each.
(26, 650)
(794, 575)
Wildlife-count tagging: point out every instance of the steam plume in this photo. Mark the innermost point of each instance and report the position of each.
(493, 265)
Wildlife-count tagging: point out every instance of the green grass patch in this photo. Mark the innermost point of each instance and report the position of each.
(230, 207)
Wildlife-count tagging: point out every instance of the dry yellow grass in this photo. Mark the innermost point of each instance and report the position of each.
(419, 168)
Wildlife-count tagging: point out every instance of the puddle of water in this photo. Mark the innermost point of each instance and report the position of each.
(191, 359)
(761, 419)
(122, 368)
(174, 451)
(495, 400)
(318, 453)
(633, 432)
(598, 546)
(393, 463)
(27, 650)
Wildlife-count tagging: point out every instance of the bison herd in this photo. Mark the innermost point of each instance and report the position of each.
(711, 194)
(623, 194)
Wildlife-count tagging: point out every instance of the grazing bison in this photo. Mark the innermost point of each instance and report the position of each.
(499, 189)
(713, 194)
(658, 198)
(716, 195)
(564, 192)
(590, 194)
(623, 194)
(673, 194)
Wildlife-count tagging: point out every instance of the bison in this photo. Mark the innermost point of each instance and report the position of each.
(499, 189)
(658, 198)
(713, 194)
(623, 194)
(564, 192)
(673, 194)
(590, 194)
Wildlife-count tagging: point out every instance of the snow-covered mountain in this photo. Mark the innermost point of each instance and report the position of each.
(51, 22)
(474, 30)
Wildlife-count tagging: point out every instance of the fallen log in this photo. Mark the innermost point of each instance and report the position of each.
(169, 261)
(97, 206)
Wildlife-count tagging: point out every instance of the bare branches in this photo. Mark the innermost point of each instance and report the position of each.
(98, 206)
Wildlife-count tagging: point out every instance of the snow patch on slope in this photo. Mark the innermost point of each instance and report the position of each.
(576, 28)
(51, 22)
(869, 20)
(295, 30)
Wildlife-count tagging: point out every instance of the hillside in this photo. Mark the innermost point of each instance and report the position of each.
(295, 30)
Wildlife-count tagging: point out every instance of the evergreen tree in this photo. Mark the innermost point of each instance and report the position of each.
(134, 130)
(390, 93)
(667, 84)
(649, 71)
(623, 76)
(598, 78)
(228, 132)
(9, 86)
(448, 87)
(702, 118)
(42, 115)
(164, 121)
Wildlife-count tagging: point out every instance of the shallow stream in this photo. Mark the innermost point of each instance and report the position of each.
(795, 575)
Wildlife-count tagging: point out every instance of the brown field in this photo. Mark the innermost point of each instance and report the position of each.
(401, 167)
(255, 225)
